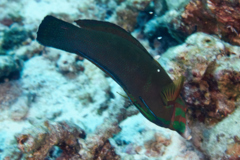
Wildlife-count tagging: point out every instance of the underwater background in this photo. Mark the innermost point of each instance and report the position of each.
(57, 105)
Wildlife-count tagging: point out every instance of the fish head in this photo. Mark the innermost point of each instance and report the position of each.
(179, 118)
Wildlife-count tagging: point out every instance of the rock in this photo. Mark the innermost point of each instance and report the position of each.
(37, 142)
(126, 13)
(140, 139)
(67, 63)
(28, 51)
(212, 87)
(19, 109)
(9, 65)
(221, 17)
(14, 37)
(176, 5)
(9, 91)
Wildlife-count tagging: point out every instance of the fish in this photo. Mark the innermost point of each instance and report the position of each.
(126, 61)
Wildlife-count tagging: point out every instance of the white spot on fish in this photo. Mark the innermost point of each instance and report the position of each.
(150, 12)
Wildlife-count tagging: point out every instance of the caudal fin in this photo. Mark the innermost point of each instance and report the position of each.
(56, 33)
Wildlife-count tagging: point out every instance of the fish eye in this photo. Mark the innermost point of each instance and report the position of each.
(158, 70)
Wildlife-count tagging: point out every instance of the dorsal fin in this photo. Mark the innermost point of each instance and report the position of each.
(171, 91)
(110, 28)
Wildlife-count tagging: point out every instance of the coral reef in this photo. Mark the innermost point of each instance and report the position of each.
(38, 88)
(37, 142)
(156, 29)
(210, 77)
(140, 139)
(222, 138)
(14, 37)
(184, 19)
(212, 83)
(9, 65)
(56, 86)
(97, 146)
(222, 17)
(126, 14)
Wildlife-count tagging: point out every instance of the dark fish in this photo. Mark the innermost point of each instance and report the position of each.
(121, 56)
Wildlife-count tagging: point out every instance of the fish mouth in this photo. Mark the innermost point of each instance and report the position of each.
(187, 133)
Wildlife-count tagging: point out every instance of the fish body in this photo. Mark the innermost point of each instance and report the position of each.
(123, 58)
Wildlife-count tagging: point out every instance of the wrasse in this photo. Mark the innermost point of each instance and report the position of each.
(122, 57)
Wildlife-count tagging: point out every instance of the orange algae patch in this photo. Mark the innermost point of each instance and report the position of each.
(156, 147)
(234, 150)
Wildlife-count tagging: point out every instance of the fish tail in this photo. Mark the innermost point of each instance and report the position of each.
(56, 33)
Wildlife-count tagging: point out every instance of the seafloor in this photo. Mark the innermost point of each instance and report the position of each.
(57, 105)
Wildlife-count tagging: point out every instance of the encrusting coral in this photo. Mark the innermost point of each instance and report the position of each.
(9, 65)
(14, 37)
(37, 142)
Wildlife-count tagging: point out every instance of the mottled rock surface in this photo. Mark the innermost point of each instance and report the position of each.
(8, 65)
(37, 142)
(212, 87)
(221, 17)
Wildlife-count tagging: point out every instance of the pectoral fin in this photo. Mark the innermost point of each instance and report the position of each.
(171, 91)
